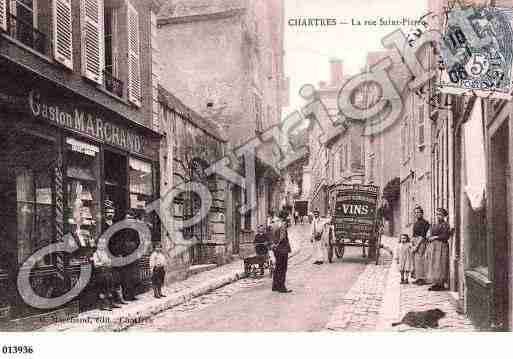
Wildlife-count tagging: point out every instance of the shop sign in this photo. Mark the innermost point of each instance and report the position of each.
(86, 123)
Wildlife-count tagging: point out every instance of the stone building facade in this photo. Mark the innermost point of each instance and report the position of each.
(191, 145)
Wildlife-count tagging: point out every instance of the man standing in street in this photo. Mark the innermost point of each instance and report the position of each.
(316, 237)
(281, 248)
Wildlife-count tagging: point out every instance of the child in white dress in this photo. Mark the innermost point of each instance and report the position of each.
(404, 257)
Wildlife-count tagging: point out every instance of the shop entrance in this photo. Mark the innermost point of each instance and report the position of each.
(501, 236)
(116, 192)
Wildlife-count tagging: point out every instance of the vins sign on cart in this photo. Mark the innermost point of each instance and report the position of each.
(355, 211)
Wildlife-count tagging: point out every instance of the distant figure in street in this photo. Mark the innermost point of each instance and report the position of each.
(404, 257)
(158, 265)
(316, 237)
(419, 243)
(437, 254)
(296, 217)
(270, 217)
(281, 248)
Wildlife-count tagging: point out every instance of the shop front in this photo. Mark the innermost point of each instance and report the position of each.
(69, 166)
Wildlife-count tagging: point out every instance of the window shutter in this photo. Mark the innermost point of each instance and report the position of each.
(3, 15)
(92, 39)
(134, 72)
(62, 32)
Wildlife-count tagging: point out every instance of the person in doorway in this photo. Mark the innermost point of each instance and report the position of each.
(419, 244)
(103, 276)
(281, 248)
(316, 237)
(129, 241)
(158, 267)
(404, 257)
(437, 255)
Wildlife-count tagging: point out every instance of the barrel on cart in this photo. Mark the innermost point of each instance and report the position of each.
(355, 220)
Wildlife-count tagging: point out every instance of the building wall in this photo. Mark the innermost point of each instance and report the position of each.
(225, 59)
(45, 65)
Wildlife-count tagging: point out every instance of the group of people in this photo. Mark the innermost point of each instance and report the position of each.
(117, 285)
(425, 257)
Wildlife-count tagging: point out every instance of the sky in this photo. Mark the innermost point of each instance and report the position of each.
(309, 49)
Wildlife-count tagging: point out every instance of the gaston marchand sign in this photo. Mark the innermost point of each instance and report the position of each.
(85, 122)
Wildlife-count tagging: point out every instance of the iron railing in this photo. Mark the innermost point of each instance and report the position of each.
(27, 34)
(112, 84)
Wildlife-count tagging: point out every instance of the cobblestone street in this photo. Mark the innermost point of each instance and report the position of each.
(250, 305)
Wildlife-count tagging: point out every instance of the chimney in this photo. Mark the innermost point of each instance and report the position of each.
(336, 71)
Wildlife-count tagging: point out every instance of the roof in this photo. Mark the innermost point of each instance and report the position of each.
(173, 9)
(190, 115)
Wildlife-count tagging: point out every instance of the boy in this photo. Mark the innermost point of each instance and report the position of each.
(157, 264)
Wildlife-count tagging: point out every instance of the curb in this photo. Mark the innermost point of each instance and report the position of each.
(390, 310)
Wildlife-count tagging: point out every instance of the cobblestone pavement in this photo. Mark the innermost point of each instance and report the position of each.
(96, 318)
(418, 298)
(362, 303)
(410, 297)
(250, 305)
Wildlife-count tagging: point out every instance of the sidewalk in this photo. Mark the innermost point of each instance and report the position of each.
(401, 299)
(377, 299)
(141, 310)
(147, 306)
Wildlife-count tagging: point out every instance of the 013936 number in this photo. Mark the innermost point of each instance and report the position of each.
(17, 349)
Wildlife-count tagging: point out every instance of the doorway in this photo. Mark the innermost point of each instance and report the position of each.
(501, 211)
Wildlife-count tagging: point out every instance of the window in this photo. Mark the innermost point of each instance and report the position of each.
(91, 12)
(23, 24)
(341, 160)
(421, 127)
(111, 81)
(35, 203)
(134, 67)
(403, 140)
(257, 103)
(62, 33)
(82, 188)
(141, 187)
(371, 168)
(346, 155)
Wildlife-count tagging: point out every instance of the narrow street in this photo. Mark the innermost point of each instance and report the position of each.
(250, 305)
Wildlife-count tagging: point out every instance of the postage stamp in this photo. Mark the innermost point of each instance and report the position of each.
(476, 48)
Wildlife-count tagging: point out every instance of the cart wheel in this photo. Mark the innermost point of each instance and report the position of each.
(330, 253)
(339, 250)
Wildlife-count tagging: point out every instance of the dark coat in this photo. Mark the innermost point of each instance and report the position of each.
(280, 238)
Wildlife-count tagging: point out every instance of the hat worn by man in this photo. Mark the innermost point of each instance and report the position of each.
(442, 211)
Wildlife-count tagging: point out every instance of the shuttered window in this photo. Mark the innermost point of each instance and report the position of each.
(62, 32)
(3, 15)
(134, 72)
(92, 39)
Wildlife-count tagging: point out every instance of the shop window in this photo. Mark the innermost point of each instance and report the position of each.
(33, 183)
(141, 187)
(83, 217)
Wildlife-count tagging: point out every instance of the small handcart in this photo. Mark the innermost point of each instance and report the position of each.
(257, 258)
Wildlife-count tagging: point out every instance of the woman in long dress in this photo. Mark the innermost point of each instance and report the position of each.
(437, 255)
(419, 242)
(320, 251)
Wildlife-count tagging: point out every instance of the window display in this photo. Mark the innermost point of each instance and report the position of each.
(141, 187)
(83, 192)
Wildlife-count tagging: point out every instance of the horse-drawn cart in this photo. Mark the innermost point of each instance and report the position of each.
(355, 220)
